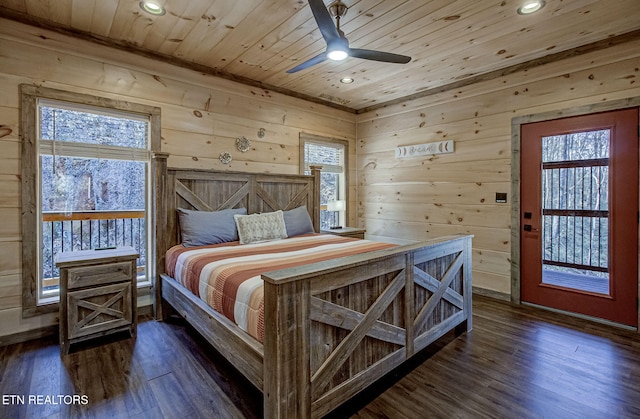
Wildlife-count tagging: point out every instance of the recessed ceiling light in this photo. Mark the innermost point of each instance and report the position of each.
(531, 6)
(152, 7)
(346, 80)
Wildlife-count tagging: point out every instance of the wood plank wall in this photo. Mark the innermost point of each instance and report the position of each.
(396, 200)
(201, 117)
(419, 198)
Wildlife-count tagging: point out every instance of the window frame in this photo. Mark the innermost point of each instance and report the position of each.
(332, 142)
(29, 121)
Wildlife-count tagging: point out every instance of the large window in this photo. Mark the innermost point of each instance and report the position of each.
(90, 169)
(331, 154)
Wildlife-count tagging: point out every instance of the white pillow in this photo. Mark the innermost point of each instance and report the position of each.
(260, 227)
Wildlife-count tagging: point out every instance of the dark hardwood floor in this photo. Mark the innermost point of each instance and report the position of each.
(518, 362)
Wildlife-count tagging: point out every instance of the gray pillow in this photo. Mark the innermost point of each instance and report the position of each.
(297, 221)
(199, 228)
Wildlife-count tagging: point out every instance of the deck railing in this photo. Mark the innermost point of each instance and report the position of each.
(576, 239)
(575, 221)
(84, 230)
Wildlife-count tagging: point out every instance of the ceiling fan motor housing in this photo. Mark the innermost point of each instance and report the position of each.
(337, 43)
(338, 9)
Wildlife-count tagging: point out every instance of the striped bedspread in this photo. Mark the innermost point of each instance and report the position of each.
(227, 276)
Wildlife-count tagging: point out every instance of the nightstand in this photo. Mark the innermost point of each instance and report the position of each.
(97, 294)
(354, 232)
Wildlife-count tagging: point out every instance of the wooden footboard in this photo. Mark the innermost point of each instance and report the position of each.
(336, 327)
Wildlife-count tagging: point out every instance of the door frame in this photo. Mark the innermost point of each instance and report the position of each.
(516, 123)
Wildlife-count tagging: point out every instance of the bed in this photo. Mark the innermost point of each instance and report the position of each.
(332, 327)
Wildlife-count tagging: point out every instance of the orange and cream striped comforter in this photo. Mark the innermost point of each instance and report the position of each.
(227, 276)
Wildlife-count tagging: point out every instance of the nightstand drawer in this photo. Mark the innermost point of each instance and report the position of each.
(100, 309)
(109, 273)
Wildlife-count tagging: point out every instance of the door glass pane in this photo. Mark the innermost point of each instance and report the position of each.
(575, 211)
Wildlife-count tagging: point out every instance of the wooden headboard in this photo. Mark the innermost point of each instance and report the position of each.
(209, 190)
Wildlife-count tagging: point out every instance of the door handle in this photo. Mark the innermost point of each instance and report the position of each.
(527, 227)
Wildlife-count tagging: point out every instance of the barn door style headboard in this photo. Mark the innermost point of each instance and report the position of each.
(209, 190)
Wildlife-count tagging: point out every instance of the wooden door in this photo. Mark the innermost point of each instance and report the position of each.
(579, 215)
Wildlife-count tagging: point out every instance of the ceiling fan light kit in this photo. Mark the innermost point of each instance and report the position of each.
(337, 43)
(337, 54)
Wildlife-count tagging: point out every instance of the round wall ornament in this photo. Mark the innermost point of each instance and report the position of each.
(243, 144)
(225, 157)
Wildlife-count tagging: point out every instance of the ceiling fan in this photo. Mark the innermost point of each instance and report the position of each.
(337, 44)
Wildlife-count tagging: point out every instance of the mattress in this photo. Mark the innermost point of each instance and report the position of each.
(227, 276)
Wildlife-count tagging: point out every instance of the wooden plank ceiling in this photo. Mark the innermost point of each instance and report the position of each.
(452, 42)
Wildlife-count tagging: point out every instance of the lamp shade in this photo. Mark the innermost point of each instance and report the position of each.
(339, 205)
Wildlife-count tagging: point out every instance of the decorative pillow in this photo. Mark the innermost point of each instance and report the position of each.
(260, 227)
(199, 228)
(297, 221)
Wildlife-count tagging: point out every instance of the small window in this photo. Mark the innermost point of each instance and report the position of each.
(91, 185)
(331, 154)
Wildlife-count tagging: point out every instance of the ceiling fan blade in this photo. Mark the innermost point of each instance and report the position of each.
(325, 22)
(385, 57)
(312, 61)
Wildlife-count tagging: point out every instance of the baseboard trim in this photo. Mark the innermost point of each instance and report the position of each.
(492, 294)
(52, 330)
(27, 335)
(582, 317)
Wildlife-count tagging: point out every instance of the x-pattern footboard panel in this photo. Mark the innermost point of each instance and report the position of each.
(436, 292)
(373, 324)
(364, 326)
(439, 300)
